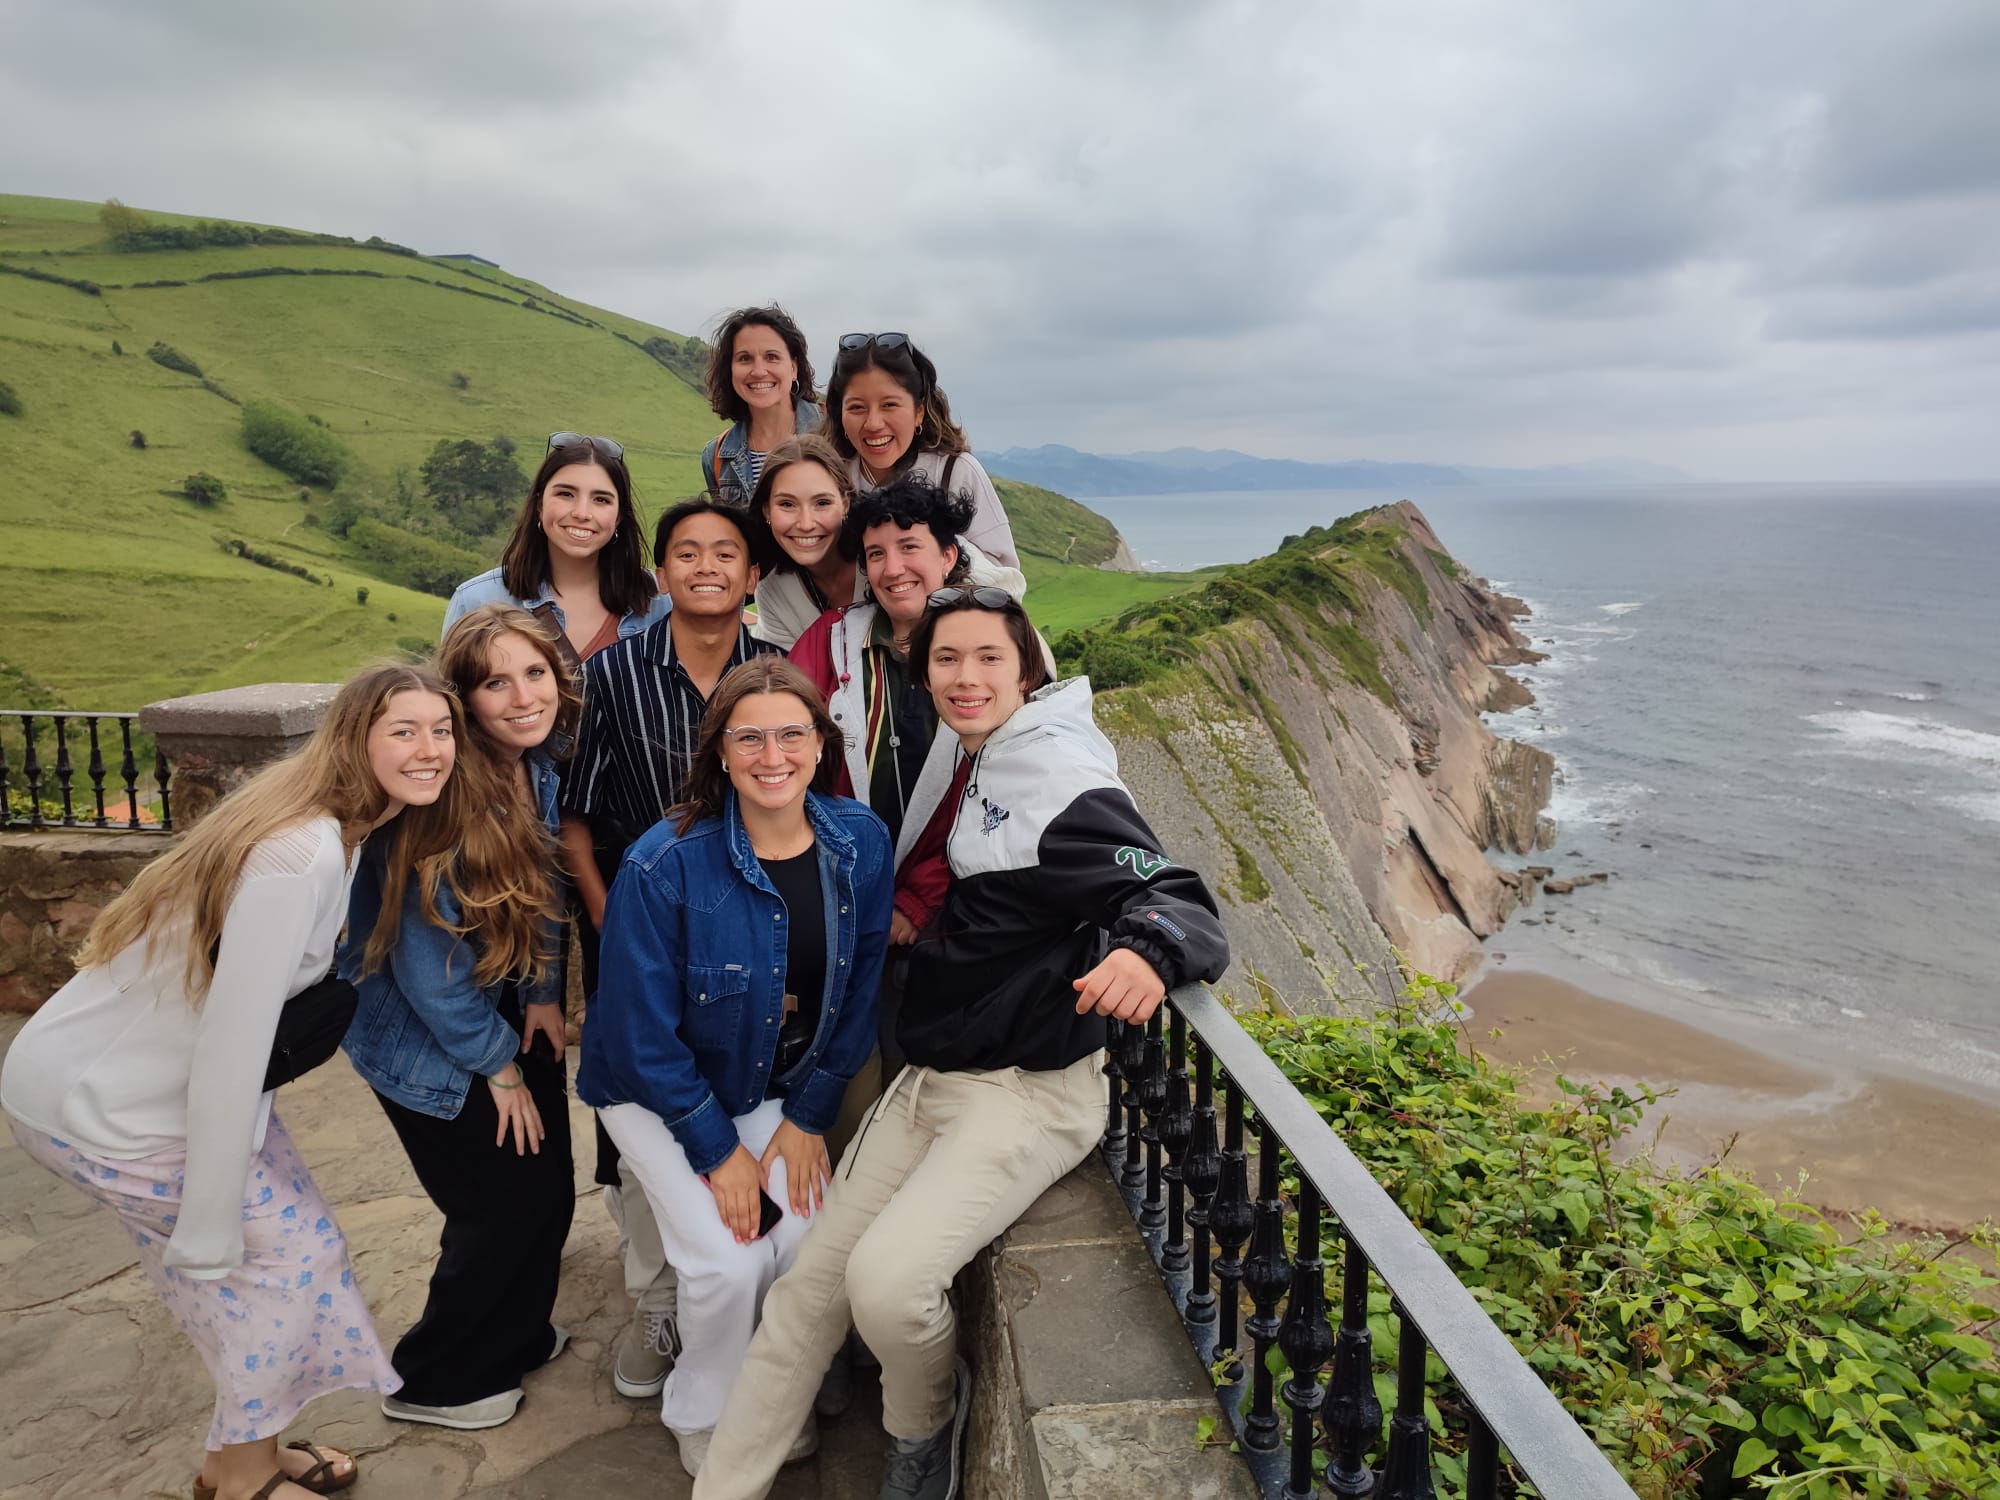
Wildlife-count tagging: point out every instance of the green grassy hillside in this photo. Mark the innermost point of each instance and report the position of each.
(118, 590)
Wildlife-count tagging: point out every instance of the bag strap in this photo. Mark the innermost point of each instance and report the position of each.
(546, 613)
(944, 479)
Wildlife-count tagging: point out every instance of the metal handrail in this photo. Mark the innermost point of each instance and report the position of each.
(63, 772)
(1163, 1151)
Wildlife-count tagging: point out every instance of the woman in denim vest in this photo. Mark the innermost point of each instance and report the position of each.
(760, 381)
(460, 1034)
(742, 947)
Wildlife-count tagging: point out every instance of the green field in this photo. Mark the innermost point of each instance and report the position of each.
(119, 591)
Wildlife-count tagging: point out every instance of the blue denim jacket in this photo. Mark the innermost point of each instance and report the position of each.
(691, 977)
(725, 462)
(488, 588)
(423, 1028)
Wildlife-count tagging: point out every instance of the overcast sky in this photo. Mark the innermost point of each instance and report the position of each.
(1755, 241)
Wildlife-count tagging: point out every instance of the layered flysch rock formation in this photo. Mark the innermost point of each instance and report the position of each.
(1344, 804)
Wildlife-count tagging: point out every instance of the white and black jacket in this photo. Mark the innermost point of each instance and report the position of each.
(1051, 866)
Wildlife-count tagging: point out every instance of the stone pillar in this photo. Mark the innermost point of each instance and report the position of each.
(214, 741)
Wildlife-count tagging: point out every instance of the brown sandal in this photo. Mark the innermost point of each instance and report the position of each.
(322, 1478)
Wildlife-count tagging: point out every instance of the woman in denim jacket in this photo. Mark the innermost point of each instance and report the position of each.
(460, 1033)
(760, 381)
(736, 999)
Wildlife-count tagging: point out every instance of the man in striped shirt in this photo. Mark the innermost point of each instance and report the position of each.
(644, 698)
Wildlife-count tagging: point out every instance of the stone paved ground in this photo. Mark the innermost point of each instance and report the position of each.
(102, 1396)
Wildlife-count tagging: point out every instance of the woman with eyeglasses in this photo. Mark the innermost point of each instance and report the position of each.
(577, 558)
(1063, 915)
(889, 419)
(742, 947)
(760, 381)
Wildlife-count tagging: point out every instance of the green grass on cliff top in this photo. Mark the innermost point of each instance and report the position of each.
(116, 589)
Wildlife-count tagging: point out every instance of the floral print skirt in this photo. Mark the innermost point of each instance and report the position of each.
(286, 1325)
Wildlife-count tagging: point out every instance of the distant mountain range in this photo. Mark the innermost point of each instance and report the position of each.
(1195, 470)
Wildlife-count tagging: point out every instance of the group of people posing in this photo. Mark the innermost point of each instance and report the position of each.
(858, 895)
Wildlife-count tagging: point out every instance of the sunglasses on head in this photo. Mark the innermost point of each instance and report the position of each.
(986, 596)
(603, 447)
(879, 340)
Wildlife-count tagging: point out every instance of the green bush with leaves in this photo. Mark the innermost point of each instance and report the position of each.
(204, 489)
(169, 358)
(10, 404)
(294, 445)
(1713, 1340)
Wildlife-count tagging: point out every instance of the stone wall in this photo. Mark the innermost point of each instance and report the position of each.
(52, 886)
(54, 883)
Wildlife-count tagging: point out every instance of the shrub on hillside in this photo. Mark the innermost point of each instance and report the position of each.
(138, 438)
(171, 358)
(116, 347)
(292, 445)
(204, 489)
(119, 221)
(361, 595)
(419, 562)
(10, 404)
(474, 486)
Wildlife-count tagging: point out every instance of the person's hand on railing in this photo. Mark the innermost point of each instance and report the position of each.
(1124, 987)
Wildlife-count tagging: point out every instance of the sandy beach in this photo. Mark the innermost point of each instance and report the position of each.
(1925, 1156)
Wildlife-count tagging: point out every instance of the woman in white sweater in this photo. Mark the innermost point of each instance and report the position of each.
(141, 1080)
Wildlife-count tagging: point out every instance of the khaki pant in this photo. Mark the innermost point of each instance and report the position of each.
(649, 1280)
(945, 1163)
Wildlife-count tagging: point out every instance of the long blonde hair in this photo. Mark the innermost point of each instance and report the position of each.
(501, 868)
(329, 776)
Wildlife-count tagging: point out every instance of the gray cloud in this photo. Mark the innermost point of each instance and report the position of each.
(1757, 242)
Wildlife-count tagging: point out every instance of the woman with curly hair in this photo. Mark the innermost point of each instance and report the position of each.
(460, 1033)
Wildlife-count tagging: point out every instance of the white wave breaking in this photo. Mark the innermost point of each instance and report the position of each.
(1625, 608)
(1880, 736)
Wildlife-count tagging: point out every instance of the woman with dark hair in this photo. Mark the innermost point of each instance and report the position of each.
(736, 999)
(1063, 916)
(455, 963)
(796, 540)
(889, 418)
(144, 1079)
(577, 558)
(760, 381)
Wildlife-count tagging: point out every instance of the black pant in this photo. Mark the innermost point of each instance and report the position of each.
(486, 1322)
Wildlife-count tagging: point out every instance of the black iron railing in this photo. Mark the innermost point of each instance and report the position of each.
(53, 759)
(1186, 1175)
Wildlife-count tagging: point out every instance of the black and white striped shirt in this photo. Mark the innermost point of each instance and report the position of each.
(641, 717)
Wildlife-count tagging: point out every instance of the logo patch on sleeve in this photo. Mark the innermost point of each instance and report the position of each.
(1159, 921)
(1143, 862)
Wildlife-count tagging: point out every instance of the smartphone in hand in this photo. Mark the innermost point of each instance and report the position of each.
(768, 1213)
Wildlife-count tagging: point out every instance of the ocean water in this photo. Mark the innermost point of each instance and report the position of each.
(1776, 714)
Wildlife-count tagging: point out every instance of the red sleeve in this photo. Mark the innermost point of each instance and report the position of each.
(925, 874)
(812, 654)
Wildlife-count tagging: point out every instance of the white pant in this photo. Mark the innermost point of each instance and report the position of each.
(722, 1283)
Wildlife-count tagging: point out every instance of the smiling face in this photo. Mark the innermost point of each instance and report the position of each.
(761, 368)
(708, 570)
(579, 511)
(410, 748)
(775, 775)
(905, 566)
(804, 512)
(880, 419)
(515, 702)
(975, 674)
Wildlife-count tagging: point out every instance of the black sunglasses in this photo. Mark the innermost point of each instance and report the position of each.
(603, 447)
(986, 596)
(879, 340)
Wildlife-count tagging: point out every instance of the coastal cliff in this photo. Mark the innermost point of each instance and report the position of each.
(1308, 730)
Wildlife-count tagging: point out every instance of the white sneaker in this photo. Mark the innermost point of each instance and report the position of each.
(469, 1417)
(806, 1444)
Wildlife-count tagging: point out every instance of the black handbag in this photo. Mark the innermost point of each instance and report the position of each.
(310, 1028)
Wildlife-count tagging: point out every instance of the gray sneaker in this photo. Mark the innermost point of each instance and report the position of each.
(836, 1390)
(645, 1355)
(930, 1468)
(469, 1417)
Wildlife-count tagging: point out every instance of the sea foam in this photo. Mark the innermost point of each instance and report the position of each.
(1879, 736)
